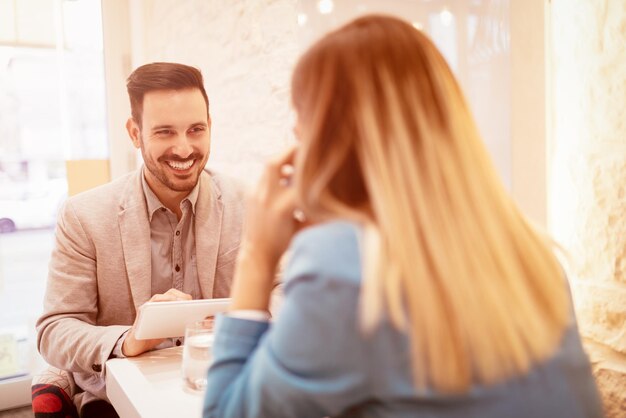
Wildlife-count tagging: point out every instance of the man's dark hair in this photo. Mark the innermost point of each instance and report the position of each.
(161, 76)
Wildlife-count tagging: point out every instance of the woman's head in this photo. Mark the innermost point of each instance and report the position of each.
(388, 140)
(375, 88)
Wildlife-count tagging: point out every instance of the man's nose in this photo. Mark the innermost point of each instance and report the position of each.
(182, 148)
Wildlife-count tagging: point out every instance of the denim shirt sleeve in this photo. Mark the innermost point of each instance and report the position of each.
(305, 363)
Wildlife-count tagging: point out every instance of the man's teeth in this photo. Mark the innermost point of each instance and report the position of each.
(180, 166)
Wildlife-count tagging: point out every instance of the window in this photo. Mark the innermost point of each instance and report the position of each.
(52, 109)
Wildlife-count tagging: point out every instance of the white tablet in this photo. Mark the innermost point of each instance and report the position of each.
(168, 319)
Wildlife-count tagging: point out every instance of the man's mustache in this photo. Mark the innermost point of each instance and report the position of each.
(176, 158)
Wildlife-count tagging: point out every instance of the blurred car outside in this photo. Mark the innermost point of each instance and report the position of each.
(30, 205)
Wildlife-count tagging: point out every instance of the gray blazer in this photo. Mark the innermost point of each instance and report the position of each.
(314, 362)
(99, 273)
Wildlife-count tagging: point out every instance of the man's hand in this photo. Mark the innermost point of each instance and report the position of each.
(132, 346)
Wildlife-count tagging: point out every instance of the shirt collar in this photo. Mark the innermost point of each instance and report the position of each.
(155, 204)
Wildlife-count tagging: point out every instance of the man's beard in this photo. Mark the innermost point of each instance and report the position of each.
(161, 174)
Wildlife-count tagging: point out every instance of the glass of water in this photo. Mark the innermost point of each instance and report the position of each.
(197, 353)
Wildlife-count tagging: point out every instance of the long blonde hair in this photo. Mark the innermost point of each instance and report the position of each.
(388, 141)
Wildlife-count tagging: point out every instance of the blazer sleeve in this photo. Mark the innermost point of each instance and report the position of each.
(310, 362)
(67, 336)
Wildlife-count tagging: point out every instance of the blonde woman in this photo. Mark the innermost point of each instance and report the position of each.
(416, 289)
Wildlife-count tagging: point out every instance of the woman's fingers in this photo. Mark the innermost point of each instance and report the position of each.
(286, 157)
(279, 168)
(275, 180)
(269, 219)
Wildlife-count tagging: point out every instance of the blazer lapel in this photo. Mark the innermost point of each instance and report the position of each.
(208, 228)
(135, 231)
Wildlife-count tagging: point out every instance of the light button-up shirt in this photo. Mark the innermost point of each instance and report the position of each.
(173, 244)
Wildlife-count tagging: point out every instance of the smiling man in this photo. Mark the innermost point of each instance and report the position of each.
(168, 231)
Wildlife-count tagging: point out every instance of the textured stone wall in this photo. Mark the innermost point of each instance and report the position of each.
(246, 50)
(588, 186)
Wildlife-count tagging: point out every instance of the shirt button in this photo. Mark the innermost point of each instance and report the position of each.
(177, 343)
(96, 368)
(177, 233)
(177, 268)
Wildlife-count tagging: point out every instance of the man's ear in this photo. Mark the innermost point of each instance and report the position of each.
(133, 132)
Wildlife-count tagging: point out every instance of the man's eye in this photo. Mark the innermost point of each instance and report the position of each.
(163, 132)
(197, 129)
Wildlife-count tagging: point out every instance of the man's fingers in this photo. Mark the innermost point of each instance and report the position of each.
(170, 295)
(161, 298)
(178, 294)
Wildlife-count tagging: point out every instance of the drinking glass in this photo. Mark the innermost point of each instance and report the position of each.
(197, 353)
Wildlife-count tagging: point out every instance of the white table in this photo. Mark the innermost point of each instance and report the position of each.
(150, 385)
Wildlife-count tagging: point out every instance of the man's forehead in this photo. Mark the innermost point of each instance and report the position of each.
(174, 108)
(164, 97)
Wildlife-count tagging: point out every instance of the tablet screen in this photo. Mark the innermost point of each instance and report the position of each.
(168, 319)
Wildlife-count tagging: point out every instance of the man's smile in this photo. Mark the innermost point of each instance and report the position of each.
(181, 165)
